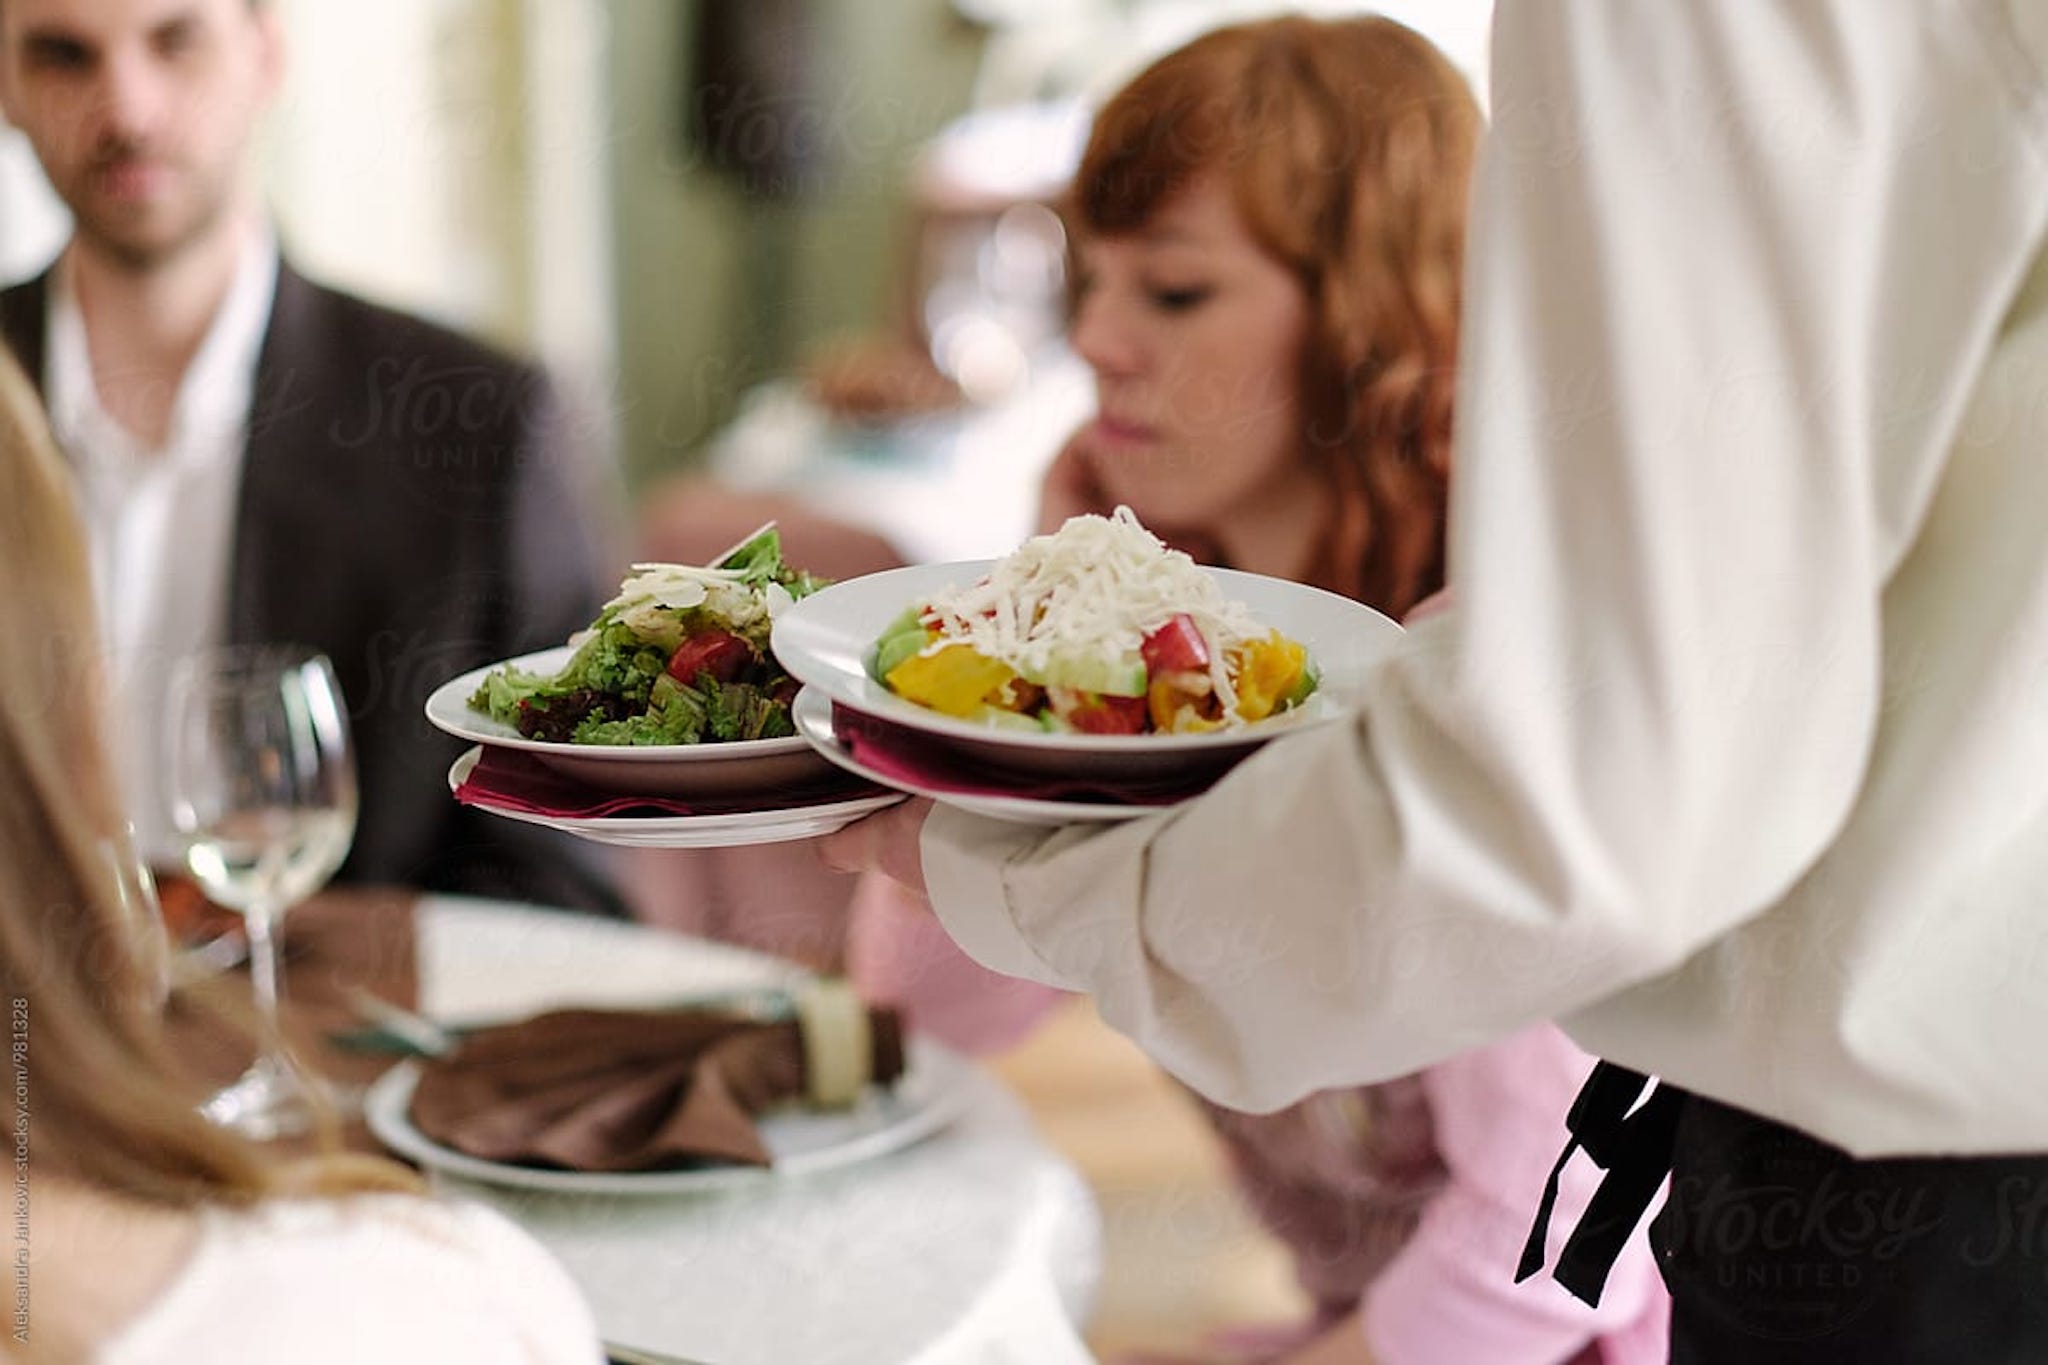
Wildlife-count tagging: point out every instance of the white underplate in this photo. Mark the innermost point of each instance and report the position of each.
(813, 714)
(732, 829)
(828, 639)
(678, 770)
(923, 1100)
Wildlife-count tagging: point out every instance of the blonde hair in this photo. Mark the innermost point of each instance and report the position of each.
(75, 968)
(1347, 147)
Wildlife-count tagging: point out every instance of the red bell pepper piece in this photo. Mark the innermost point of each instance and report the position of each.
(720, 653)
(1176, 647)
(1097, 713)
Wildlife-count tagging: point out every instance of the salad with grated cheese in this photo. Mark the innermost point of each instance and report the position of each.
(678, 656)
(1097, 627)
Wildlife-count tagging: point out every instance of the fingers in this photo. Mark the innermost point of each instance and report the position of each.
(901, 847)
(847, 849)
(886, 842)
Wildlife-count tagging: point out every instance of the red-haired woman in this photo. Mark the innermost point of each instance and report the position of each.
(1269, 226)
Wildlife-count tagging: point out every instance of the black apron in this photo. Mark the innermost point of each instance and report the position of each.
(1780, 1248)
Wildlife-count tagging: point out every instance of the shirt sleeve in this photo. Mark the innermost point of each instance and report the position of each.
(1732, 273)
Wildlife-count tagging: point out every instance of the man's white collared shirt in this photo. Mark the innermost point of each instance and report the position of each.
(160, 522)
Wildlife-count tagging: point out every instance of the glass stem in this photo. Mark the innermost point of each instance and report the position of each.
(261, 926)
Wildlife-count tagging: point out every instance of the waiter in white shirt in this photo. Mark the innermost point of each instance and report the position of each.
(262, 460)
(1733, 753)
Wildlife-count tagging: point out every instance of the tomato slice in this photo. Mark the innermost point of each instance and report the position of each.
(1176, 647)
(720, 653)
(1097, 713)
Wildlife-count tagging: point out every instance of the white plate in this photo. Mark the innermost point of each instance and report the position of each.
(679, 770)
(813, 715)
(482, 962)
(733, 829)
(924, 1099)
(828, 640)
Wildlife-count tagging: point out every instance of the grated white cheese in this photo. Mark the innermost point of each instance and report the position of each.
(1092, 590)
(678, 587)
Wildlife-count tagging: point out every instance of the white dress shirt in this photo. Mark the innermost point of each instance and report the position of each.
(1733, 752)
(160, 522)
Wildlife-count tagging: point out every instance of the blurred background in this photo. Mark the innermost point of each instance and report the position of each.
(796, 247)
(672, 202)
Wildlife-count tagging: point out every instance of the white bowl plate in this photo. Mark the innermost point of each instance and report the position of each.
(925, 1098)
(727, 829)
(828, 641)
(677, 770)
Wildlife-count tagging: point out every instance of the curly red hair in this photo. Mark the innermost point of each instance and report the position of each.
(1347, 146)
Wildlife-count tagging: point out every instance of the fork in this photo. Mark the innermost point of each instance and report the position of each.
(402, 1029)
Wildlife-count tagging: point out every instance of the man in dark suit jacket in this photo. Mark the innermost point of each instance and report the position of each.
(405, 504)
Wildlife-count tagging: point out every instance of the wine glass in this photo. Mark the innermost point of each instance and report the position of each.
(263, 795)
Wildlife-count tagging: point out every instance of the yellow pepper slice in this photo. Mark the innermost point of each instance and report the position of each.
(1174, 704)
(955, 680)
(1267, 671)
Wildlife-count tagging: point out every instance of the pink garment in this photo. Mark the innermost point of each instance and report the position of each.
(865, 926)
(1449, 1297)
(761, 898)
(897, 953)
(1415, 1196)
(1341, 1178)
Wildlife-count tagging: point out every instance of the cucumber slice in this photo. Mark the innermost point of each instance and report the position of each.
(996, 718)
(1123, 677)
(894, 649)
(911, 619)
(1304, 687)
(900, 639)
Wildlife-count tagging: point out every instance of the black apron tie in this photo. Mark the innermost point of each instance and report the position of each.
(1634, 1145)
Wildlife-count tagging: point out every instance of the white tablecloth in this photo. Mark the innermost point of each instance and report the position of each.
(977, 1245)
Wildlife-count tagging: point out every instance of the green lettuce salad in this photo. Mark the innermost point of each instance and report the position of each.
(680, 656)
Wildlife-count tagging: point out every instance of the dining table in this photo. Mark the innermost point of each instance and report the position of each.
(959, 1237)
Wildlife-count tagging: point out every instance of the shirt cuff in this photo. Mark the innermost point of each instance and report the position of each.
(964, 860)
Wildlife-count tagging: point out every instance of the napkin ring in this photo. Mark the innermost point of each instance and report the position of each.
(839, 1045)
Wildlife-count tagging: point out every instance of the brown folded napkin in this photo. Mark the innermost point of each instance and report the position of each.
(508, 779)
(626, 1090)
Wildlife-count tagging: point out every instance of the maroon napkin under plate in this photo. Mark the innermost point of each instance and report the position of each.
(899, 754)
(624, 1090)
(509, 779)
